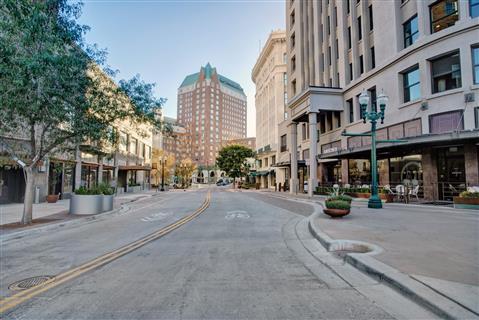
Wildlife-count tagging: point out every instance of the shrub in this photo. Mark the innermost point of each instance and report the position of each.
(469, 194)
(342, 197)
(106, 189)
(338, 204)
(85, 191)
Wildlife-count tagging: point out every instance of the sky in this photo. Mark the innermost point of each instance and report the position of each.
(164, 41)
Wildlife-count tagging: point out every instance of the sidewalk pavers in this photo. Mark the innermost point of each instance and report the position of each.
(11, 214)
(422, 247)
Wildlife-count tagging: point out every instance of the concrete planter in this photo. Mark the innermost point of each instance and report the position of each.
(134, 189)
(363, 195)
(86, 204)
(336, 213)
(107, 202)
(466, 203)
(387, 197)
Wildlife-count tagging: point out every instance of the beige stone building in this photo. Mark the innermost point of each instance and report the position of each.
(213, 109)
(422, 54)
(270, 77)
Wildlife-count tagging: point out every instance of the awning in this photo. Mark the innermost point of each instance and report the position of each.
(134, 168)
(301, 163)
(413, 144)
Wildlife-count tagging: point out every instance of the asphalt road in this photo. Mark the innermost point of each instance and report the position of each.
(231, 262)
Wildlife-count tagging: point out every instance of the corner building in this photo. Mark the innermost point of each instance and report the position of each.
(212, 108)
(269, 75)
(422, 54)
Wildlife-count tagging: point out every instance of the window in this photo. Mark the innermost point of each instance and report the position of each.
(446, 73)
(293, 64)
(361, 64)
(285, 58)
(411, 31)
(329, 25)
(360, 32)
(351, 72)
(446, 122)
(350, 110)
(474, 8)
(293, 40)
(273, 160)
(443, 15)
(371, 23)
(303, 132)
(293, 87)
(372, 101)
(348, 6)
(476, 111)
(285, 78)
(373, 58)
(349, 37)
(292, 18)
(338, 118)
(336, 49)
(475, 64)
(335, 16)
(283, 143)
(411, 84)
(330, 57)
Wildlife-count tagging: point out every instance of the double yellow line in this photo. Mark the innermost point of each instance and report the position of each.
(16, 299)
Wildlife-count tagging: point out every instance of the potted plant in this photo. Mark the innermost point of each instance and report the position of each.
(338, 206)
(467, 200)
(86, 201)
(363, 193)
(386, 195)
(108, 193)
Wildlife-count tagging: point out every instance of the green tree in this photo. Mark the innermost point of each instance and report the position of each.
(233, 160)
(54, 94)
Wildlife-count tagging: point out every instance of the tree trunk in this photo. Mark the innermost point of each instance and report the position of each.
(28, 199)
(234, 183)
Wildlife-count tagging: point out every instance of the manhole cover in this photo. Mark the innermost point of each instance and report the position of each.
(29, 283)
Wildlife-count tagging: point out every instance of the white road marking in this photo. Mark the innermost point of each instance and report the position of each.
(156, 216)
(237, 214)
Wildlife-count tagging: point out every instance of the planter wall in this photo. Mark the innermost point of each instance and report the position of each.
(387, 197)
(363, 195)
(466, 203)
(86, 204)
(134, 189)
(107, 203)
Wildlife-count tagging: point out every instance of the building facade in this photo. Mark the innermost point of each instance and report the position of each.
(213, 109)
(426, 61)
(270, 77)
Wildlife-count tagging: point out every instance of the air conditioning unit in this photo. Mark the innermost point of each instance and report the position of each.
(469, 97)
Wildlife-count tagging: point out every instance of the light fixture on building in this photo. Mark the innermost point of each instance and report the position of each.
(363, 103)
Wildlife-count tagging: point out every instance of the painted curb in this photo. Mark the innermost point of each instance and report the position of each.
(78, 221)
(423, 295)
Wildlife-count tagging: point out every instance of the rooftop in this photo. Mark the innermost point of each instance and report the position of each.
(209, 71)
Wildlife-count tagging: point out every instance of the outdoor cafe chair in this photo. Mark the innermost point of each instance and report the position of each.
(400, 191)
(347, 186)
(415, 182)
(389, 190)
(414, 192)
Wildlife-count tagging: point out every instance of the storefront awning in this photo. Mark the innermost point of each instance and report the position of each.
(134, 168)
(301, 163)
(412, 145)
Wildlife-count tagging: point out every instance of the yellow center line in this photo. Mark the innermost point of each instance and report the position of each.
(18, 298)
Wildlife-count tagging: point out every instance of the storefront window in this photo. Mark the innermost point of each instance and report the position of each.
(68, 175)
(359, 171)
(88, 176)
(406, 170)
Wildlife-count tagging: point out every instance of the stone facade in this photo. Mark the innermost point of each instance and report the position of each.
(270, 77)
(337, 49)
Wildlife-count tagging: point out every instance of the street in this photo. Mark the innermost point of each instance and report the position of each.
(231, 262)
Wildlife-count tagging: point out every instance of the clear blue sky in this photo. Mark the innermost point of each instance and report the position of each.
(164, 41)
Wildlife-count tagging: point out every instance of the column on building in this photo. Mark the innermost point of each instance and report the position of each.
(100, 169)
(313, 152)
(77, 168)
(293, 180)
(471, 162)
(429, 172)
(345, 171)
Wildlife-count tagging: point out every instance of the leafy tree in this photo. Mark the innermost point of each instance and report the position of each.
(54, 94)
(156, 159)
(184, 171)
(233, 160)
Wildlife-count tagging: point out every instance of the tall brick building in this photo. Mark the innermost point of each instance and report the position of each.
(212, 108)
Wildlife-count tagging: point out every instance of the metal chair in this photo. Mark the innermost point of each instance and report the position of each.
(414, 192)
(400, 192)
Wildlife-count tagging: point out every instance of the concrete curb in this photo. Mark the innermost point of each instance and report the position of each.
(423, 295)
(55, 225)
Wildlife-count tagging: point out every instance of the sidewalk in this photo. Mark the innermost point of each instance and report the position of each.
(44, 212)
(436, 246)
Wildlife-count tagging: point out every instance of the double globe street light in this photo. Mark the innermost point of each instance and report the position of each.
(373, 115)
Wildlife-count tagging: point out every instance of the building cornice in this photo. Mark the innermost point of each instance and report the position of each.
(274, 37)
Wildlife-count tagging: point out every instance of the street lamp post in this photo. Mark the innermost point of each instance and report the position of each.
(163, 163)
(373, 116)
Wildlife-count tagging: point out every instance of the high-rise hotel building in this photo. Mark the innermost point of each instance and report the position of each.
(422, 54)
(212, 108)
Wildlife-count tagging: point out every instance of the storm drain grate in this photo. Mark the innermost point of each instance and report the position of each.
(29, 283)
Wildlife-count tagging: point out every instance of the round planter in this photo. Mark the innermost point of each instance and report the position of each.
(107, 202)
(387, 197)
(86, 204)
(363, 195)
(52, 198)
(336, 213)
